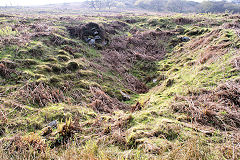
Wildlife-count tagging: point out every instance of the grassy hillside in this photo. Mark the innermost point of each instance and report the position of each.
(126, 86)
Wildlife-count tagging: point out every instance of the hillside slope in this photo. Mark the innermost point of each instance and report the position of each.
(120, 87)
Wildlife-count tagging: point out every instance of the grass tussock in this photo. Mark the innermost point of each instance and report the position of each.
(119, 87)
(39, 93)
(218, 108)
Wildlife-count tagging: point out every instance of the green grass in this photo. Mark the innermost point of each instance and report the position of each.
(152, 132)
(7, 31)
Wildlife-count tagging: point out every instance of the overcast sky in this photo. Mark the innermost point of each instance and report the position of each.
(39, 2)
(34, 2)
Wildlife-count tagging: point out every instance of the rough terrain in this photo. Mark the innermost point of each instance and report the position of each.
(125, 86)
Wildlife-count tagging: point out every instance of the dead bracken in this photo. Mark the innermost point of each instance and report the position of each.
(39, 93)
(116, 85)
(104, 103)
(218, 108)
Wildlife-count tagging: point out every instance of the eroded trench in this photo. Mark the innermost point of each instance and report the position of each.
(133, 57)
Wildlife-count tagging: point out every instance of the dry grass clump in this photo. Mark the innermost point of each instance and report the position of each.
(118, 130)
(104, 103)
(5, 72)
(15, 35)
(134, 84)
(144, 46)
(236, 63)
(23, 147)
(218, 108)
(123, 52)
(64, 133)
(8, 69)
(39, 93)
(40, 27)
(191, 149)
(211, 45)
(56, 39)
(20, 33)
(115, 26)
(231, 147)
(3, 119)
(213, 51)
(183, 21)
(139, 106)
(232, 25)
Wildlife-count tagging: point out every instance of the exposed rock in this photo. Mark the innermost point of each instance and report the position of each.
(155, 80)
(90, 33)
(97, 38)
(125, 96)
(158, 30)
(53, 124)
(185, 39)
(92, 42)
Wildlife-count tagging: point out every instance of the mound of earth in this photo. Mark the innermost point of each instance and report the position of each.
(90, 33)
(115, 26)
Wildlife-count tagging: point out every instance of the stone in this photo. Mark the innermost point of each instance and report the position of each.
(92, 42)
(97, 38)
(87, 40)
(125, 96)
(53, 124)
(94, 28)
(155, 81)
(90, 33)
(185, 39)
(158, 30)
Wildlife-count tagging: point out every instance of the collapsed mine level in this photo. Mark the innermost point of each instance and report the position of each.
(119, 86)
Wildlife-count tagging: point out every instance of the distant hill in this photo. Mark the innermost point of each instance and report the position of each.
(179, 6)
(66, 5)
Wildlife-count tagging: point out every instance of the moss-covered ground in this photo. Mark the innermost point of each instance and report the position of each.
(47, 75)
